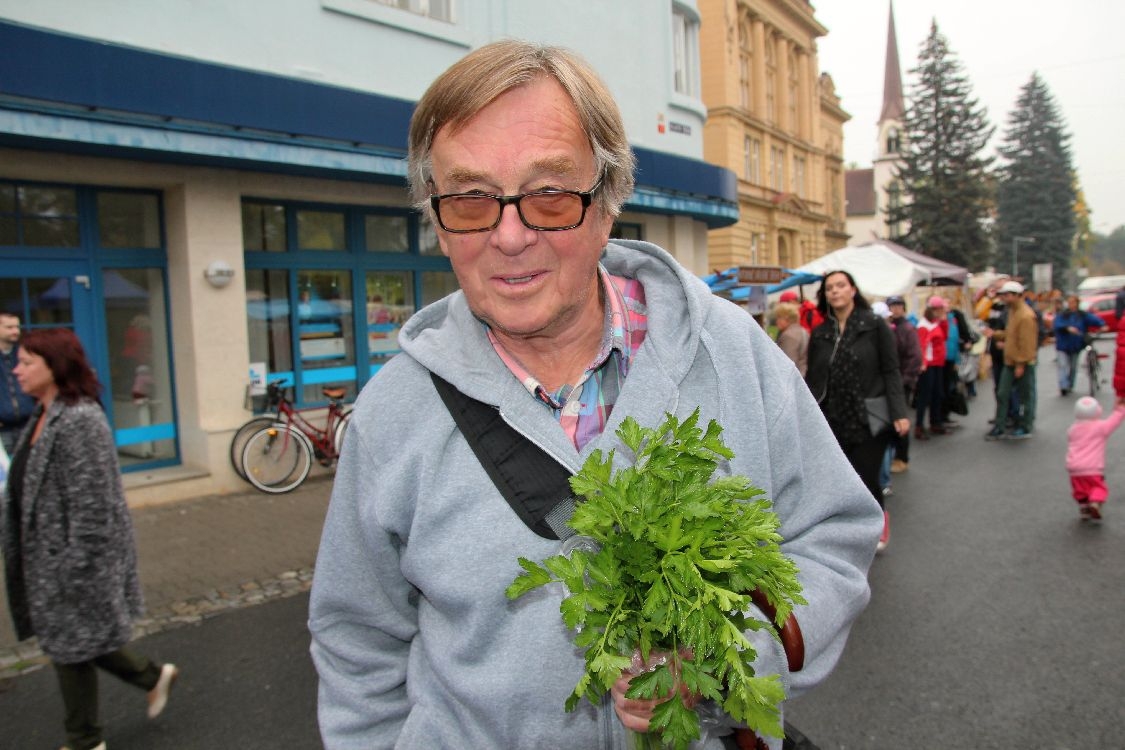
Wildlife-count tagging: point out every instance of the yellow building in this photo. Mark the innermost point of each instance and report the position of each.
(776, 122)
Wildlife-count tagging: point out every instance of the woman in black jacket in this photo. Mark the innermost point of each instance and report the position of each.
(853, 373)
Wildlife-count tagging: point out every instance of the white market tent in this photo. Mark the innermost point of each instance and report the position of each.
(882, 268)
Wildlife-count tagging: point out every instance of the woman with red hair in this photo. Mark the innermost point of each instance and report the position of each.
(67, 537)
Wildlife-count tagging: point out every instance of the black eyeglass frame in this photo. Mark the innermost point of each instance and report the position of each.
(586, 196)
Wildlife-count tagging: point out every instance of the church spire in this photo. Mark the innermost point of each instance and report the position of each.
(893, 107)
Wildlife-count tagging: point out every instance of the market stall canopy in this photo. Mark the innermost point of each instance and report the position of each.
(726, 283)
(882, 268)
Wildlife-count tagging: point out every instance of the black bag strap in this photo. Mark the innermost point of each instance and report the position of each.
(534, 484)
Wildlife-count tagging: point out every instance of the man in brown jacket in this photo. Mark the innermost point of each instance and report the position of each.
(1020, 340)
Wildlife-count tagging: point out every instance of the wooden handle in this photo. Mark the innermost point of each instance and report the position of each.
(790, 633)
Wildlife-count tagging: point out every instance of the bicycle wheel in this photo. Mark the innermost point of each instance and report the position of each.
(238, 442)
(277, 458)
(341, 428)
(1093, 370)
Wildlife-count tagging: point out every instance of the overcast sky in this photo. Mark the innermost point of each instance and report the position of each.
(1075, 46)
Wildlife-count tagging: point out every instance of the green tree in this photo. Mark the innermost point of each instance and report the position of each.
(1035, 195)
(944, 173)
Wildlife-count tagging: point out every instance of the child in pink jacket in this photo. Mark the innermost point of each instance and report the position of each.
(1085, 454)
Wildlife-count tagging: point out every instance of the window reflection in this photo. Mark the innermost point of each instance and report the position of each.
(386, 234)
(263, 227)
(140, 381)
(324, 331)
(390, 301)
(437, 284)
(320, 230)
(128, 220)
(47, 216)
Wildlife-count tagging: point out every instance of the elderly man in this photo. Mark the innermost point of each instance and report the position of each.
(1020, 343)
(15, 405)
(518, 154)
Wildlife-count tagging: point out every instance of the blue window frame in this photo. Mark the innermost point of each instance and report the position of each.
(93, 259)
(328, 287)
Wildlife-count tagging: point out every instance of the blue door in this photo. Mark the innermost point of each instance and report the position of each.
(52, 294)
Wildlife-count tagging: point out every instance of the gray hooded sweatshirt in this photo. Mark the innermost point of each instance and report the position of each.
(414, 641)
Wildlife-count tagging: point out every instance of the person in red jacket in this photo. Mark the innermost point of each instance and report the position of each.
(807, 313)
(931, 383)
(1119, 362)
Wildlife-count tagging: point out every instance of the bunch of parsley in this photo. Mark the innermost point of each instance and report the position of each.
(680, 552)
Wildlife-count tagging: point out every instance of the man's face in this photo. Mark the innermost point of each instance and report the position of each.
(897, 311)
(9, 329)
(524, 282)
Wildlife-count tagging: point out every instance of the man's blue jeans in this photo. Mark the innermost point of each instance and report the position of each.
(1024, 389)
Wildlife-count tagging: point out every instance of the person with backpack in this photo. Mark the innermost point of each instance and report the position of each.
(519, 156)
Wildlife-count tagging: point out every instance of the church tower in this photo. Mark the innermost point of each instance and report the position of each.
(888, 190)
(871, 192)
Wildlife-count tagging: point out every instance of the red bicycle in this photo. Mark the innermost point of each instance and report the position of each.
(275, 452)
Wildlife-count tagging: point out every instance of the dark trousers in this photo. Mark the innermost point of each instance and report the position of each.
(931, 393)
(866, 458)
(901, 443)
(79, 685)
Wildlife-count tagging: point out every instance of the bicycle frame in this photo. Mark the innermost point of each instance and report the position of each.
(323, 439)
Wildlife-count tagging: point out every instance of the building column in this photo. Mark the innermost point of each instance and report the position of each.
(759, 69)
(204, 225)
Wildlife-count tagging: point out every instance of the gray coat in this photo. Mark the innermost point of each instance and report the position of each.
(74, 539)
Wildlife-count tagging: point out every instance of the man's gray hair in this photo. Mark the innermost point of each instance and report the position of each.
(473, 82)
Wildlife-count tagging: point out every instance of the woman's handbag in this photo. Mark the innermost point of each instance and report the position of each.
(878, 414)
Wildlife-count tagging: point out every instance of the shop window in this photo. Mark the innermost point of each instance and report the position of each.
(437, 284)
(321, 230)
(128, 220)
(685, 52)
(267, 320)
(386, 234)
(140, 381)
(626, 231)
(390, 301)
(8, 232)
(263, 227)
(325, 334)
(427, 237)
(38, 216)
(313, 327)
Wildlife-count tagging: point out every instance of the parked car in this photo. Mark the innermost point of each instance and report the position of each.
(1102, 305)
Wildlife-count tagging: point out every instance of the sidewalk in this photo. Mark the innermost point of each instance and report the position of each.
(201, 557)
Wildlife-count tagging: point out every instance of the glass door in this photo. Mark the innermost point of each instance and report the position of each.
(51, 294)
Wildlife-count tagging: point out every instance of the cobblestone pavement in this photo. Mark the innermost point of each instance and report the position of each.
(199, 558)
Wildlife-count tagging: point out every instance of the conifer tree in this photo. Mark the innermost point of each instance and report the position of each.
(944, 174)
(1035, 194)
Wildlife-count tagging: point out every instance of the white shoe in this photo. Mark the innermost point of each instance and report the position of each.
(158, 696)
(100, 746)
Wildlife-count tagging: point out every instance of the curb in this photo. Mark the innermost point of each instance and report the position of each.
(26, 656)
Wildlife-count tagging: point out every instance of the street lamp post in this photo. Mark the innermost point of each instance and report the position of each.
(1016, 252)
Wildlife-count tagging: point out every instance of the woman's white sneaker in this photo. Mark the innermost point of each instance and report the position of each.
(158, 696)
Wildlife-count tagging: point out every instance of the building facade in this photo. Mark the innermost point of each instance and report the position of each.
(775, 121)
(203, 190)
(872, 192)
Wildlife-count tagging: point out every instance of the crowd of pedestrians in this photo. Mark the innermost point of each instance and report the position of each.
(939, 356)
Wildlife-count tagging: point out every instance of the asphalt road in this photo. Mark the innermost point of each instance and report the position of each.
(247, 682)
(996, 617)
(995, 622)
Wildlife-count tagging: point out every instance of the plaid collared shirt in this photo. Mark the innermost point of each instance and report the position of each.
(583, 408)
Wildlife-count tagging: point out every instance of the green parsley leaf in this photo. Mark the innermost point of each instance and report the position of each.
(681, 548)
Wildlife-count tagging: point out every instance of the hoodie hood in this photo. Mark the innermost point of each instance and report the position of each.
(447, 339)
